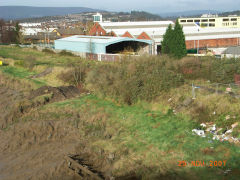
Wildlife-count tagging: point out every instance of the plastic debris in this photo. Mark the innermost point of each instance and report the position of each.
(216, 137)
(229, 131)
(218, 133)
(199, 132)
(203, 125)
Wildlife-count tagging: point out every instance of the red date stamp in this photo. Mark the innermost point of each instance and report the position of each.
(202, 163)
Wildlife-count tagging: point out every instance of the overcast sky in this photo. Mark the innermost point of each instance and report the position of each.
(155, 6)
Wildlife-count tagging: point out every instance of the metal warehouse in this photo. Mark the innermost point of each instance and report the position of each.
(103, 44)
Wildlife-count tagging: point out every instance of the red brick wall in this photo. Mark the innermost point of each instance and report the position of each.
(144, 35)
(212, 43)
(97, 30)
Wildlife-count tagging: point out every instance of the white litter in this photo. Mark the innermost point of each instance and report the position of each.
(216, 137)
(229, 131)
(199, 132)
(203, 125)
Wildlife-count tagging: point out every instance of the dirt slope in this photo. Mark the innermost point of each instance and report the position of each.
(34, 149)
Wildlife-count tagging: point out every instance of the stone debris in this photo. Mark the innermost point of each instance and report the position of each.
(218, 133)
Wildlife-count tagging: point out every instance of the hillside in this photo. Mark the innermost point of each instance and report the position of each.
(64, 117)
(20, 12)
(188, 13)
(230, 13)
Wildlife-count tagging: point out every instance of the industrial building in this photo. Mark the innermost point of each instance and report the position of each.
(145, 37)
(103, 44)
(147, 30)
(212, 21)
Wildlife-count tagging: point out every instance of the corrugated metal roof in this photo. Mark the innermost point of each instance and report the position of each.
(101, 39)
(138, 23)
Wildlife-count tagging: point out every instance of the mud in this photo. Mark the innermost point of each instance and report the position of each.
(36, 149)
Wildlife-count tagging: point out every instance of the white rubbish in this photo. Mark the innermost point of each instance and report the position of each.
(199, 132)
(216, 137)
(229, 131)
(225, 138)
(203, 125)
(169, 99)
(213, 128)
(217, 133)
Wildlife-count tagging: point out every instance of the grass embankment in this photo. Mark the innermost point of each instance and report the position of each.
(146, 138)
(148, 143)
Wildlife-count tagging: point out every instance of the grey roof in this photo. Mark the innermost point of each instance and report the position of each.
(101, 39)
(233, 50)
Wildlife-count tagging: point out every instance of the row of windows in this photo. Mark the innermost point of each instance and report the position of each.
(206, 20)
(232, 19)
(197, 20)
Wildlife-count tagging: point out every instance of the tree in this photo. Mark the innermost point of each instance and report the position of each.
(18, 34)
(167, 42)
(179, 46)
(173, 42)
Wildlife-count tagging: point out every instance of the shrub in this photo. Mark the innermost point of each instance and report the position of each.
(75, 75)
(130, 81)
(66, 53)
(49, 51)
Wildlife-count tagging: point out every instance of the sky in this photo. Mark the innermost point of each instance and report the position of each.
(154, 6)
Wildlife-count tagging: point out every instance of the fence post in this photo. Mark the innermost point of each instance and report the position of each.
(193, 92)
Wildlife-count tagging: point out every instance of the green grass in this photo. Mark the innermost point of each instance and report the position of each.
(169, 133)
(21, 73)
(146, 141)
(41, 58)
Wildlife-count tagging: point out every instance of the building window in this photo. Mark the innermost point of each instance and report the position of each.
(225, 19)
(197, 20)
(234, 19)
(204, 20)
(190, 20)
(204, 24)
(183, 21)
(211, 25)
(211, 20)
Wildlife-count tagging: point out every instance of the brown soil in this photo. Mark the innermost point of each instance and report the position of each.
(37, 149)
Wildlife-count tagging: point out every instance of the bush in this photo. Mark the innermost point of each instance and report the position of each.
(130, 81)
(66, 53)
(75, 75)
(49, 51)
